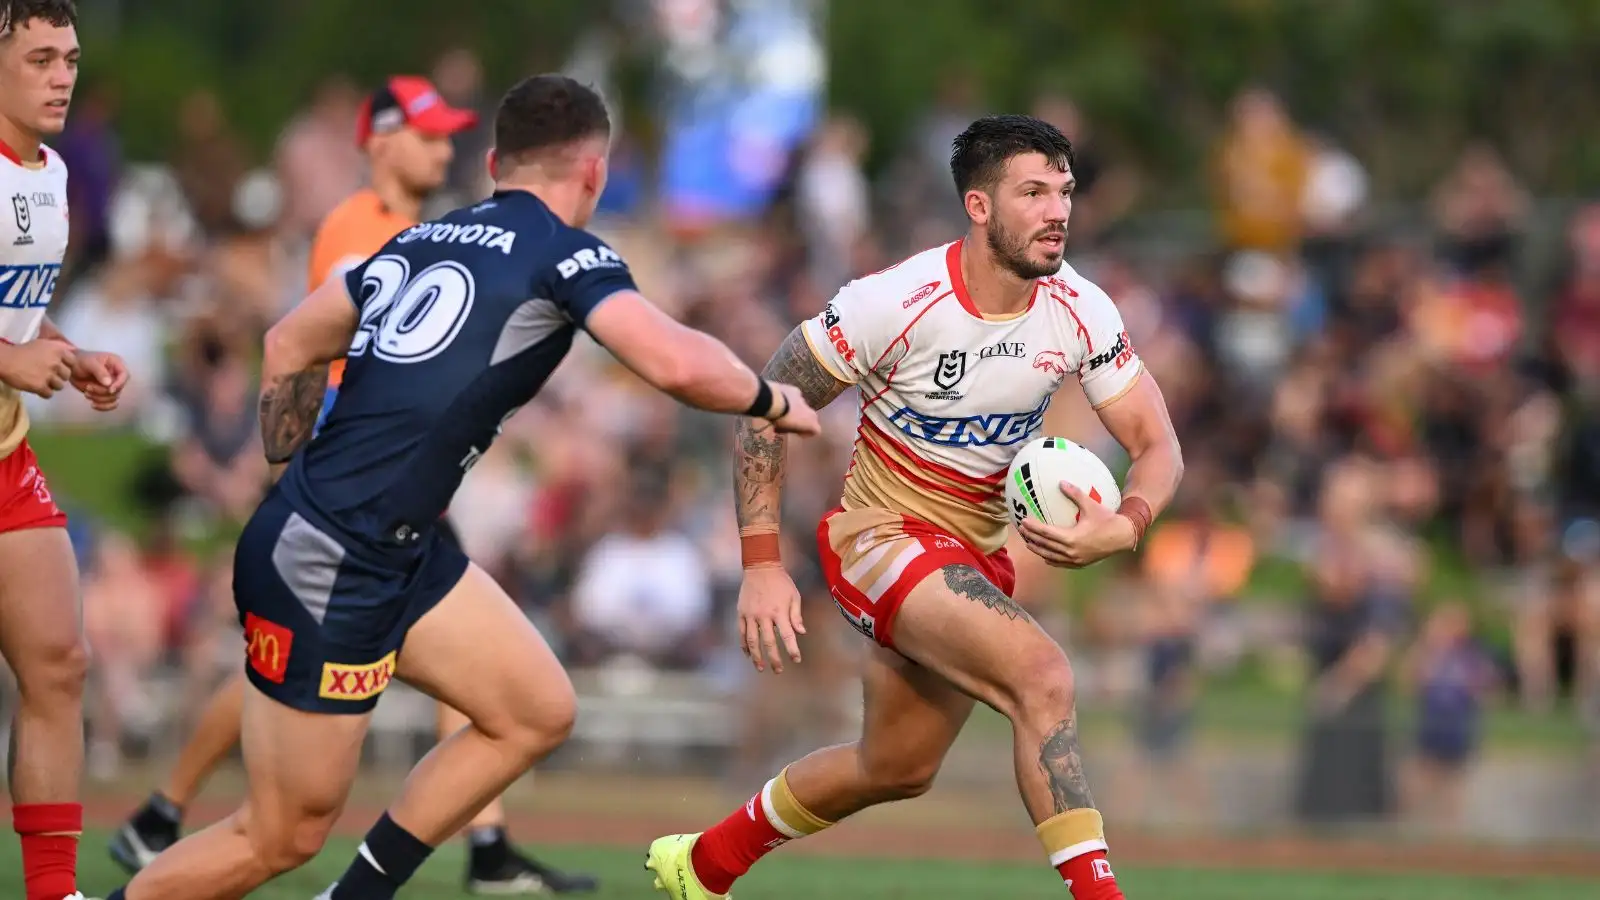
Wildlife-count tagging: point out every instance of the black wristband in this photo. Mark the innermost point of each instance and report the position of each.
(763, 402)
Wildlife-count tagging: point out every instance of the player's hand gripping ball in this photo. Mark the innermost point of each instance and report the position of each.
(1063, 502)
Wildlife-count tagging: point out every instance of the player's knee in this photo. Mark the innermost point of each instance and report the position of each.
(537, 720)
(53, 672)
(1044, 688)
(291, 845)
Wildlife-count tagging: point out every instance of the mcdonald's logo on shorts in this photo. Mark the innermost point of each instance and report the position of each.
(341, 681)
(268, 647)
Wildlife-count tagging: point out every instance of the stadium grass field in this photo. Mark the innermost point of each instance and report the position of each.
(799, 877)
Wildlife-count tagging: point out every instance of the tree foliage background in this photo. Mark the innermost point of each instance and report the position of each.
(1402, 83)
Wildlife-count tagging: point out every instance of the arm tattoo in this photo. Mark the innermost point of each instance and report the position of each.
(795, 364)
(759, 457)
(289, 408)
(1062, 762)
(965, 581)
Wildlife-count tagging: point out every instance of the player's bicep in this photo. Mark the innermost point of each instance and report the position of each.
(797, 363)
(838, 337)
(318, 330)
(1138, 417)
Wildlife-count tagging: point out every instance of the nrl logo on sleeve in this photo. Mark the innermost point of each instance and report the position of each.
(602, 257)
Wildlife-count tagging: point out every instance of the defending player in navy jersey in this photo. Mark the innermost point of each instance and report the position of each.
(342, 579)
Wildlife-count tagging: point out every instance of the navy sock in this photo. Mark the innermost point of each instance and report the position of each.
(116, 895)
(387, 859)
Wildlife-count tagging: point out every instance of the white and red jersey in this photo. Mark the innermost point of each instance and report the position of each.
(949, 395)
(33, 242)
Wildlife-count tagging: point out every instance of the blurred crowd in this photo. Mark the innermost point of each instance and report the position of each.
(1392, 433)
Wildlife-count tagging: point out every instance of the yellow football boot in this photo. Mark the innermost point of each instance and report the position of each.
(669, 859)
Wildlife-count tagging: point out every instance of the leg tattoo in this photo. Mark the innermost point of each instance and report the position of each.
(965, 581)
(1062, 763)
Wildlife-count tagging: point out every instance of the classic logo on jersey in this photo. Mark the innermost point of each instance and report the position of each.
(28, 286)
(1004, 348)
(492, 237)
(584, 260)
(830, 321)
(951, 369)
(19, 207)
(921, 294)
(267, 648)
(1119, 354)
(346, 682)
(970, 431)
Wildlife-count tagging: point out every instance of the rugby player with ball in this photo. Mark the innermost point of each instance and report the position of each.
(956, 353)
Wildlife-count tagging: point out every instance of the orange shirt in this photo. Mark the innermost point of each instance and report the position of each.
(353, 231)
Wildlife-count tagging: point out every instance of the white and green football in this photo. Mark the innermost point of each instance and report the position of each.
(1033, 485)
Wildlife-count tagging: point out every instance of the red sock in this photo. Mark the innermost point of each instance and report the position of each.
(49, 834)
(1088, 877)
(733, 845)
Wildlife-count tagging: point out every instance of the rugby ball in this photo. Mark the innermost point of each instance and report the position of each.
(1033, 485)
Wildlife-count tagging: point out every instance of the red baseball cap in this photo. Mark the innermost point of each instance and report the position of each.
(410, 100)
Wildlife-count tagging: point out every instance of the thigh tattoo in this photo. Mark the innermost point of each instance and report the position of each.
(965, 581)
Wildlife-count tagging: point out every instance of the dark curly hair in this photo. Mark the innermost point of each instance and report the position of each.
(979, 155)
(59, 13)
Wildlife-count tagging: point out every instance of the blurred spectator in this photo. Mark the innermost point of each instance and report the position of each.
(1451, 676)
(1556, 635)
(833, 200)
(1576, 321)
(209, 160)
(123, 619)
(317, 158)
(643, 590)
(1262, 166)
(93, 154)
(458, 74)
(1478, 209)
(218, 459)
(1357, 614)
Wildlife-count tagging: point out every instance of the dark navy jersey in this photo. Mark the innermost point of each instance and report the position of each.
(463, 319)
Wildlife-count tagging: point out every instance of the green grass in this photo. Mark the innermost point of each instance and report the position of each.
(795, 877)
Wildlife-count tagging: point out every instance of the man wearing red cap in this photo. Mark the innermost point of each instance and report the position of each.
(405, 127)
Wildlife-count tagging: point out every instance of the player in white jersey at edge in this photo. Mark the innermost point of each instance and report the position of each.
(41, 626)
(956, 353)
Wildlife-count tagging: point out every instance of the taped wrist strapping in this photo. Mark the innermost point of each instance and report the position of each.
(758, 547)
(1135, 510)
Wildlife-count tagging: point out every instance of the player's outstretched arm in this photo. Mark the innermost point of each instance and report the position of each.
(769, 602)
(294, 367)
(759, 450)
(692, 366)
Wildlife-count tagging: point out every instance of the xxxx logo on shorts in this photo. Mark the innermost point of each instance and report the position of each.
(341, 681)
(268, 647)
